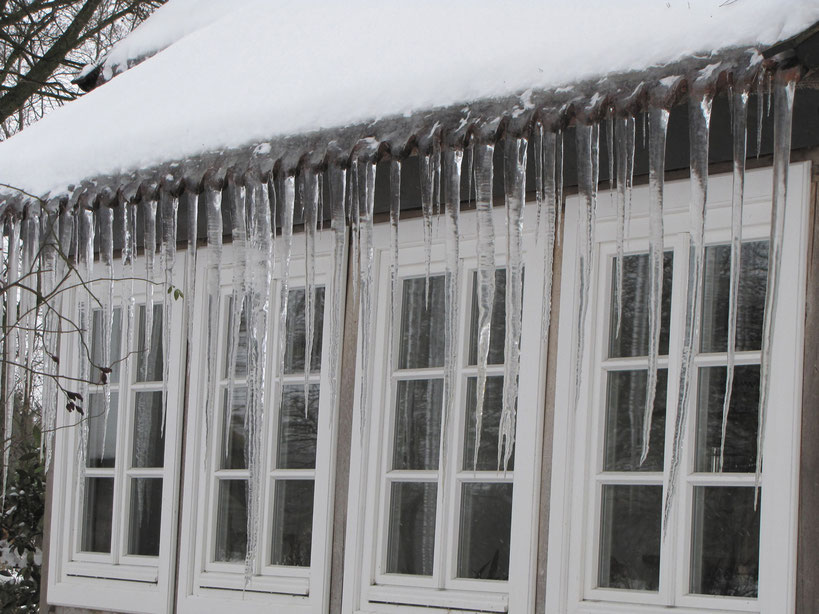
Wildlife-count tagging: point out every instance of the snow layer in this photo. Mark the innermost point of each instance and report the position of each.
(267, 69)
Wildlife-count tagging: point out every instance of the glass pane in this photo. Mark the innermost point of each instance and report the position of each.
(233, 424)
(145, 517)
(624, 422)
(632, 339)
(296, 335)
(231, 521)
(297, 431)
(102, 437)
(241, 348)
(743, 419)
(485, 530)
(97, 346)
(630, 533)
(753, 278)
(498, 325)
(292, 523)
(492, 407)
(149, 437)
(418, 424)
(411, 540)
(421, 342)
(725, 542)
(149, 364)
(97, 514)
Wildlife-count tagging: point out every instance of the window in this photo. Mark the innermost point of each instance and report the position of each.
(433, 531)
(718, 552)
(291, 564)
(117, 533)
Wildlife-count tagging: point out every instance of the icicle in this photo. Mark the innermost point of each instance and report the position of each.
(427, 172)
(587, 149)
(191, 203)
(484, 168)
(559, 185)
(213, 204)
(11, 343)
(366, 197)
(169, 212)
(610, 150)
(129, 251)
(552, 204)
(783, 114)
(770, 93)
(106, 221)
(395, 215)
(515, 181)
(28, 301)
(338, 191)
(631, 137)
(658, 120)
(310, 187)
(48, 267)
(645, 127)
(85, 258)
(699, 123)
(354, 213)
(149, 212)
(259, 273)
(739, 131)
(288, 207)
(622, 171)
(760, 115)
(538, 158)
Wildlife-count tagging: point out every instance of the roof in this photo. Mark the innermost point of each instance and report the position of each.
(269, 76)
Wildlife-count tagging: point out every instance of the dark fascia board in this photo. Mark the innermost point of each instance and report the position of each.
(805, 46)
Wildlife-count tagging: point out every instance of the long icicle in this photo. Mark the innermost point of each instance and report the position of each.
(484, 169)
(11, 343)
(515, 180)
(739, 131)
(288, 207)
(785, 89)
(658, 126)
(149, 211)
(169, 212)
(621, 129)
(48, 265)
(366, 200)
(129, 251)
(395, 216)
(427, 173)
(106, 221)
(310, 183)
(631, 136)
(699, 127)
(550, 195)
(338, 192)
(213, 208)
(538, 157)
(191, 206)
(559, 185)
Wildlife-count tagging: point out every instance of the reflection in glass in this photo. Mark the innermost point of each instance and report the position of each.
(149, 436)
(743, 419)
(716, 290)
(233, 423)
(149, 364)
(485, 529)
(624, 422)
(632, 339)
(145, 517)
(498, 325)
(297, 432)
(630, 535)
(296, 335)
(102, 437)
(96, 346)
(97, 514)
(411, 538)
(418, 424)
(725, 542)
(231, 521)
(421, 343)
(492, 407)
(292, 523)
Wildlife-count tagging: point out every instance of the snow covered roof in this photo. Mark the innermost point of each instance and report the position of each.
(286, 78)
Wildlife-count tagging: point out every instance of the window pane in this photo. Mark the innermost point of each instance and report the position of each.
(624, 422)
(411, 543)
(233, 430)
(97, 346)
(422, 338)
(630, 534)
(725, 542)
(297, 432)
(498, 325)
(743, 420)
(102, 437)
(149, 364)
(145, 517)
(632, 339)
(149, 437)
(292, 523)
(485, 529)
(296, 335)
(750, 301)
(97, 515)
(492, 407)
(418, 424)
(231, 521)
(241, 348)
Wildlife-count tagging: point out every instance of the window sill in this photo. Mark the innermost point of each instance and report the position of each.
(476, 601)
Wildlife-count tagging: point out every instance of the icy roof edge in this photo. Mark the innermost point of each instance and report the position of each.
(400, 137)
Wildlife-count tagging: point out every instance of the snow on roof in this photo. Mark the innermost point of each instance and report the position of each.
(268, 69)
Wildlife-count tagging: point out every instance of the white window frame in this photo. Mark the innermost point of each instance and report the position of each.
(366, 588)
(107, 581)
(206, 586)
(574, 515)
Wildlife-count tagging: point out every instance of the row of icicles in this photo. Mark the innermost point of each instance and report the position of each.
(52, 251)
